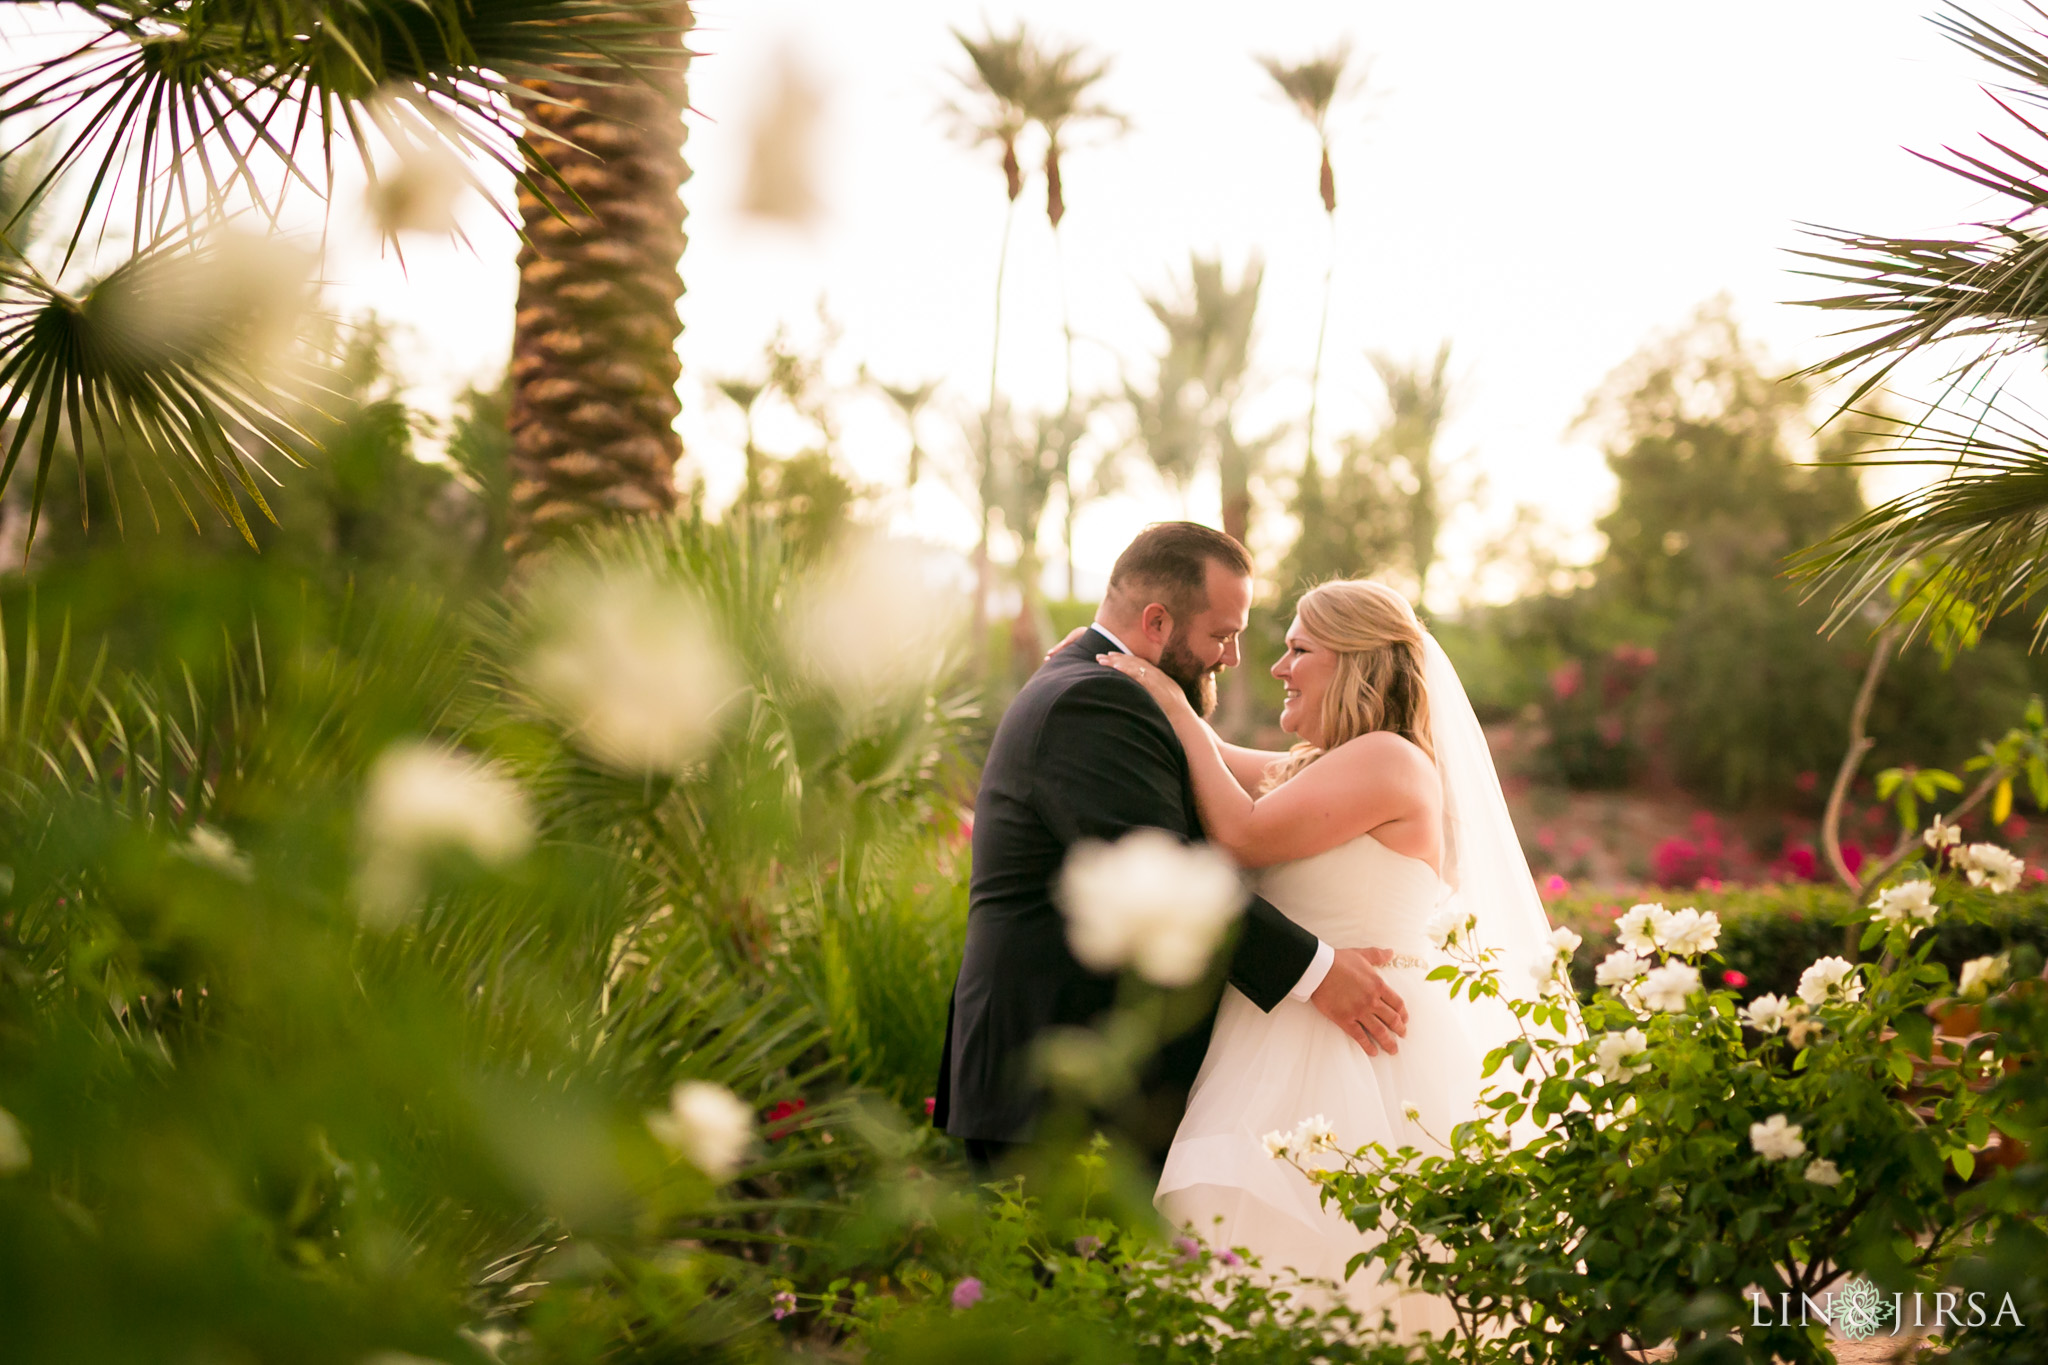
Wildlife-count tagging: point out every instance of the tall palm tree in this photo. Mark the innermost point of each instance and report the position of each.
(1417, 399)
(594, 363)
(190, 112)
(1057, 99)
(1313, 86)
(1201, 378)
(995, 91)
(1979, 533)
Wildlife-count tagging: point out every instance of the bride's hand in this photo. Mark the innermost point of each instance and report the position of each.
(1151, 677)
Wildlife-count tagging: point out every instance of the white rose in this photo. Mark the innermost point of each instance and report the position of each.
(1667, 988)
(1908, 902)
(1827, 979)
(1616, 1051)
(1564, 942)
(1776, 1140)
(1619, 967)
(1822, 1171)
(708, 1125)
(1800, 1025)
(1278, 1144)
(1544, 974)
(422, 799)
(1981, 973)
(1990, 866)
(1941, 835)
(1641, 929)
(875, 623)
(631, 667)
(1150, 902)
(1765, 1014)
(1448, 927)
(1314, 1134)
(1688, 932)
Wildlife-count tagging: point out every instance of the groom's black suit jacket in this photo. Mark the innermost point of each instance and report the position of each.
(1083, 753)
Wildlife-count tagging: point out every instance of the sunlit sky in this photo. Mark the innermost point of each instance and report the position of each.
(1547, 187)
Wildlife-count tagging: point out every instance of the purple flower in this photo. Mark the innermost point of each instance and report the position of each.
(785, 1304)
(1190, 1250)
(1085, 1247)
(967, 1293)
(1229, 1258)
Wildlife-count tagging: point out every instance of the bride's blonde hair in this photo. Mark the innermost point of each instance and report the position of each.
(1378, 683)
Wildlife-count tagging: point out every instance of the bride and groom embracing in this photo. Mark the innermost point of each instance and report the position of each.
(1387, 813)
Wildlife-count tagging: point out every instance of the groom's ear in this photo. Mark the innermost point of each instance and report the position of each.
(1156, 623)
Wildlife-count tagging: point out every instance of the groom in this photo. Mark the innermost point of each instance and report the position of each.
(1084, 753)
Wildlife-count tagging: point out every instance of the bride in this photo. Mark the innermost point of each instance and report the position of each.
(1388, 806)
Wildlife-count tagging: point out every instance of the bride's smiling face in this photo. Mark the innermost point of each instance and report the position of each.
(1306, 668)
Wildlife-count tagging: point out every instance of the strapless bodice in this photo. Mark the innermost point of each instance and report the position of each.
(1359, 894)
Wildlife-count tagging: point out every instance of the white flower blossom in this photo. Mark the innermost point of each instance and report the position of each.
(1278, 1144)
(208, 847)
(1981, 973)
(1907, 903)
(1688, 932)
(1545, 973)
(631, 666)
(873, 624)
(1412, 1112)
(1800, 1025)
(1941, 835)
(1830, 978)
(422, 799)
(1314, 1134)
(1641, 930)
(1776, 1140)
(1447, 928)
(1619, 967)
(1150, 902)
(708, 1125)
(1666, 988)
(1765, 1014)
(1821, 1171)
(1615, 1053)
(1990, 866)
(13, 1145)
(418, 190)
(1564, 942)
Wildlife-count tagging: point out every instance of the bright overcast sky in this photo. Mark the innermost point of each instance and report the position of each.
(1546, 186)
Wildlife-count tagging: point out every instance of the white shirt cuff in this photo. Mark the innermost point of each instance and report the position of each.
(1318, 968)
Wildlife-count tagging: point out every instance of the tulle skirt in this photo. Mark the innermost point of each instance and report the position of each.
(1268, 1071)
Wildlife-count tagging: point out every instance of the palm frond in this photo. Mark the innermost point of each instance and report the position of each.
(1978, 535)
(183, 102)
(154, 365)
(1991, 287)
(1314, 84)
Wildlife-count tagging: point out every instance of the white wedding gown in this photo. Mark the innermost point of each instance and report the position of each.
(1268, 1071)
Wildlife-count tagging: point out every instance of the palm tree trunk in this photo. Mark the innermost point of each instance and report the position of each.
(983, 568)
(594, 364)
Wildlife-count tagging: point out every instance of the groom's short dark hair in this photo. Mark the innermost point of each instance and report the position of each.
(1169, 563)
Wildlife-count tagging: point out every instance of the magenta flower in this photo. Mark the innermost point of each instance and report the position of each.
(1229, 1258)
(1190, 1250)
(785, 1304)
(1086, 1247)
(967, 1293)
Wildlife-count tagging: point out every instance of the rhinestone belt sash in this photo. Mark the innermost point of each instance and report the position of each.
(1405, 960)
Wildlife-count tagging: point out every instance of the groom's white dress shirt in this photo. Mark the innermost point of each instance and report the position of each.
(1319, 965)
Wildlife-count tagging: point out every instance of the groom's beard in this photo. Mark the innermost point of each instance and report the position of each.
(1197, 683)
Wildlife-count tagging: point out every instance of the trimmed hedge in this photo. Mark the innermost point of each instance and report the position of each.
(1771, 934)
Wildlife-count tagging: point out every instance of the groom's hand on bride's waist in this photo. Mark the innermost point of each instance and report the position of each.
(1356, 999)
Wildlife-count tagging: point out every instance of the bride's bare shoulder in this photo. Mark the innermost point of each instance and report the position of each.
(1384, 754)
